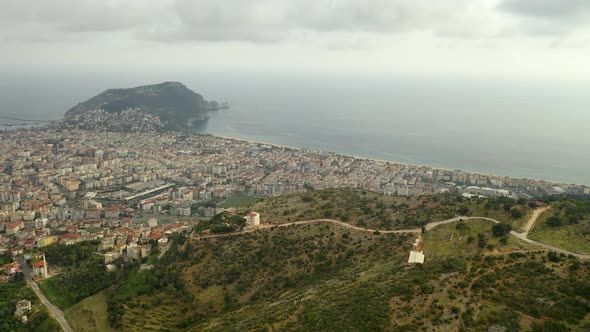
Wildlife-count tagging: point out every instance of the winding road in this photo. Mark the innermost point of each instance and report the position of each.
(523, 236)
(59, 316)
(54, 311)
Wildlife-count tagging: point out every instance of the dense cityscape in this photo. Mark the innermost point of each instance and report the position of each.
(82, 185)
(130, 191)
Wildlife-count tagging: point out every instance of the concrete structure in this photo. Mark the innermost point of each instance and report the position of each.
(11, 268)
(162, 242)
(416, 257)
(252, 219)
(153, 222)
(22, 308)
(40, 268)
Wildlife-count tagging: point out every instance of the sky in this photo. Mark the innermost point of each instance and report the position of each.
(519, 39)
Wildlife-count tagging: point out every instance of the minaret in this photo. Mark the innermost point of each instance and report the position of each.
(45, 267)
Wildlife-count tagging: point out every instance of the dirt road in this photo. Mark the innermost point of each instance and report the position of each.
(533, 220)
(429, 226)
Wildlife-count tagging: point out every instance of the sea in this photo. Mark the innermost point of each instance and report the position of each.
(536, 129)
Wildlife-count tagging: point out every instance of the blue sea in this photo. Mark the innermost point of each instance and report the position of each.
(525, 129)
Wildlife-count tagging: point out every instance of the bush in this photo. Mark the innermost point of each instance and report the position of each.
(482, 240)
(554, 221)
(501, 229)
(462, 226)
(516, 213)
(221, 229)
(307, 199)
(463, 210)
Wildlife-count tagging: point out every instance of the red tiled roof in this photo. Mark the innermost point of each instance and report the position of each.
(69, 236)
(38, 264)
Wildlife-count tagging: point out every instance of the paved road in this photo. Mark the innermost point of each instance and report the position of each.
(429, 226)
(53, 310)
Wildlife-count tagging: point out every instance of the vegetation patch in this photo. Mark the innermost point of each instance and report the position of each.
(89, 314)
(566, 225)
(240, 201)
(378, 211)
(467, 238)
(38, 318)
(57, 293)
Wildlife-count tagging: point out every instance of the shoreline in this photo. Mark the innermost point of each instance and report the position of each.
(356, 157)
(252, 141)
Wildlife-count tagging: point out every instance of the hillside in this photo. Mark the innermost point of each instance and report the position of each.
(174, 105)
(327, 277)
(378, 211)
(566, 225)
(324, 277)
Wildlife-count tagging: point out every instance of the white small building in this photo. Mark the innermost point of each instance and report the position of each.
(162, 242)
(22, 308)
(252, 219)
(153, 222)
(416, 257)
(416, 243)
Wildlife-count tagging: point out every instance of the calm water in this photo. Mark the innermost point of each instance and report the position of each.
(539, 130)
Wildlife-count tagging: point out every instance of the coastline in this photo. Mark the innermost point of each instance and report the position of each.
(252, 141)
(356, 157)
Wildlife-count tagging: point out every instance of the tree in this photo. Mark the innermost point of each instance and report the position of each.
(554, 221)
(516, 213)
(463, 210)
(482, 240)
(501, 229)
(462, 226)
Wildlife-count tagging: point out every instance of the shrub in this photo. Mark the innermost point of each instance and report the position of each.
(501, 229)
(554, 221)
(516, 213)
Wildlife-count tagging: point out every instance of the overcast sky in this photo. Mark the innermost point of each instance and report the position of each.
(513, 38)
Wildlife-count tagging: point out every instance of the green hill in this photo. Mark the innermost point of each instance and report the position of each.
(327, 277)
(322, 277)
(172, 102)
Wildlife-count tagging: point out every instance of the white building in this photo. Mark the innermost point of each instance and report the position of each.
(416, 257)
(252, 219)
(22, 308)
(162, 242)
(153, 222)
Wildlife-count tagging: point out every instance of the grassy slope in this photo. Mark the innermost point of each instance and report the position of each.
(450, 241)
(322, 277)
(575, 238)
(239, 201)
(270, 269)
(89, 314)
(57, 294)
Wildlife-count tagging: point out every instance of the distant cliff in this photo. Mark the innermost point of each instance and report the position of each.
(169, 105)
